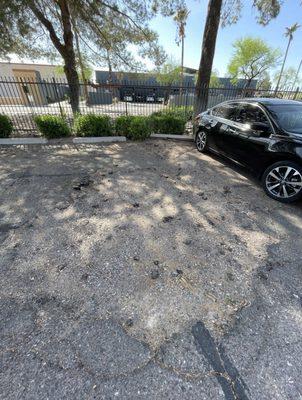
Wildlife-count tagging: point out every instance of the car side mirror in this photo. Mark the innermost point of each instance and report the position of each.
(259, 128)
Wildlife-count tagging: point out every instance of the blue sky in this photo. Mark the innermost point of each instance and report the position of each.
(291, 12)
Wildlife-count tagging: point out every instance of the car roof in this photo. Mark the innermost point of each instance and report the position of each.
(266, 101)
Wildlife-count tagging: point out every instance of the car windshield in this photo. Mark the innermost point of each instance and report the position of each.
(288, 116)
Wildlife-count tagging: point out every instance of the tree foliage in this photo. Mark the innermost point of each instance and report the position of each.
(180, 19)
(267, 10)
(231, 12)
(102, 25)
(20, 34)
(251, 58)
(288, 79)
(169, 73)
(106, 30)
(264, 81)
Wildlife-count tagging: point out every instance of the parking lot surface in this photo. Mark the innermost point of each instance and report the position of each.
(145, 271)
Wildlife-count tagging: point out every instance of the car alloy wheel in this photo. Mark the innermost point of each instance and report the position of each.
(201, 141)
(284, 182)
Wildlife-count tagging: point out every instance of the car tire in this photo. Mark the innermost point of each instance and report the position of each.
(282, 181)
(201, 141)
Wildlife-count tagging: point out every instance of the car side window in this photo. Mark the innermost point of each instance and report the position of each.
(226, 111)
(216, 111)
(249, 113)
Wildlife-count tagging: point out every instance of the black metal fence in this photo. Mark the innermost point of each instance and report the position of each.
(23, 98)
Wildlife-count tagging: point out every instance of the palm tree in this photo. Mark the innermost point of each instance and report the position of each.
(289, 33)
(181, 19)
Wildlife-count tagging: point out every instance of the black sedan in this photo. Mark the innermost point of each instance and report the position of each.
(264, 135)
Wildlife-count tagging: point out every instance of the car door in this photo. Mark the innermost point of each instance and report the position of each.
(251, 146)
(210, 124)
(224, 136)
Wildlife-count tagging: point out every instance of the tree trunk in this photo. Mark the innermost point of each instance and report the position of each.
(69, 57)
(66, 49)
(246, 87)
(248, 82)
(73, 82)
(207, 54)
(81, 64)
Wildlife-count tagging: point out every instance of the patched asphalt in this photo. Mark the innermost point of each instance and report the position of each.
(145, 271)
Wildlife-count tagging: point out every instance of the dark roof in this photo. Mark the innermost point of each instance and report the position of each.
(267, 101)
(240, 83)
(150, 78)
(189, 70)
(129, 78)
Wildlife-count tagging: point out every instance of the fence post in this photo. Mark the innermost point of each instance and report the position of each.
(126, 106)
(186, 101)
(58, 97)
(86, 94)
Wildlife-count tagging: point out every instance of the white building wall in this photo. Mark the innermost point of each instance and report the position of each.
(10, 92)
(46, 70)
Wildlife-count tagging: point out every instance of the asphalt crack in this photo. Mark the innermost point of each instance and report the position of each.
(226, 373)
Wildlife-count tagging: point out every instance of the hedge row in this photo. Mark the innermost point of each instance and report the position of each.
(52, 126)
(133, 127)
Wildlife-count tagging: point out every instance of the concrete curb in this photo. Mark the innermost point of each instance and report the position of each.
(101, 139)
(26, 140)
(177, 137)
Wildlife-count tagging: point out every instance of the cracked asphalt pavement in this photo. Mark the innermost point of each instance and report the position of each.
(145, 271)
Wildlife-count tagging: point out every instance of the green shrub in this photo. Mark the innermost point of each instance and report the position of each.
(52, 126)
(122, 125)
(180, 111)
(6, 126)
(168, 124)
(93, 125)
(133, 127)
(139, 128)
